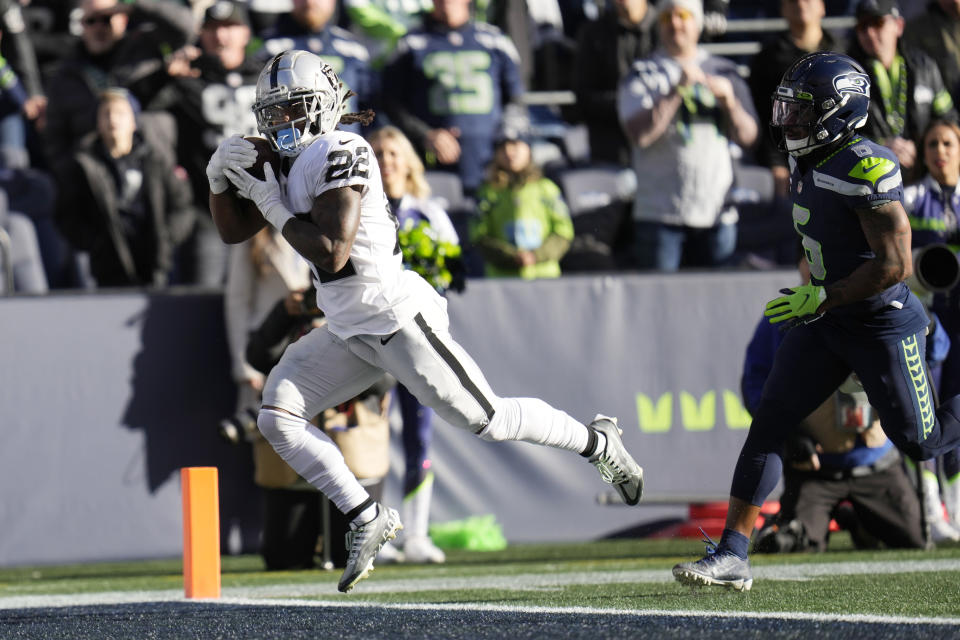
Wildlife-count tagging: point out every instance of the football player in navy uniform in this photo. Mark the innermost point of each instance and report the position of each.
(446, 87)
(308, 27)
(857, 314)
(329, 203)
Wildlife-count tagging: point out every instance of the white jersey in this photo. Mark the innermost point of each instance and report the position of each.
(373, 294)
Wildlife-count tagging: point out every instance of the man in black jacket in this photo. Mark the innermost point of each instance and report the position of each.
(606, 48)
(907, 88)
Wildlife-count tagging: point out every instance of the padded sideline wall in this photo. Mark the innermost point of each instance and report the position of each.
(104, 397)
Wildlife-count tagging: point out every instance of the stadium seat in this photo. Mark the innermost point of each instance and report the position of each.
(599, 198)
(447, 188)
(765, 235)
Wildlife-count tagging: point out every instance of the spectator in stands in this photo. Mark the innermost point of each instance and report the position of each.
(936, 32)
(804, 34)
(446, 87)
(606, 49)
(21, 270)
(210, 92)
(933, 205)
(111, 55)
(839, 453)
(308, 27)
(122, 200)
(524, 227)
(409, 196)
(907, 88)
(681, 108)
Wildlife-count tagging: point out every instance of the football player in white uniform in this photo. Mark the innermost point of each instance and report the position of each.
(330, 206)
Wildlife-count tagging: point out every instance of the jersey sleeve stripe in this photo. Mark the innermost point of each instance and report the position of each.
(842, 187)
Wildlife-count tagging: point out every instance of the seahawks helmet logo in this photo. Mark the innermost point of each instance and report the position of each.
(852, 83)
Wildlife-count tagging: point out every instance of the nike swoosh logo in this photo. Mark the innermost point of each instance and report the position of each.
(343, 141)
(386, 339)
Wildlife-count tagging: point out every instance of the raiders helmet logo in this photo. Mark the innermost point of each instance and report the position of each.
(852, 83)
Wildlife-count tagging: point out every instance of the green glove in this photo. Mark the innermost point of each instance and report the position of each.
(795, 303)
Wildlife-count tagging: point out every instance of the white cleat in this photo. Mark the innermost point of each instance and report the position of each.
(615, 464)
(364, 544)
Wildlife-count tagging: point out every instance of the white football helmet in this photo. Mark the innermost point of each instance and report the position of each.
(299, 97)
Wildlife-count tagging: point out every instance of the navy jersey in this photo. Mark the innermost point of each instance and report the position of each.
(337, 47)
(457, 78)
(826, 195)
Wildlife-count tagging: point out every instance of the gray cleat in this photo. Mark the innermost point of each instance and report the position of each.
(616, 466)
(716, 569)
(364, 544)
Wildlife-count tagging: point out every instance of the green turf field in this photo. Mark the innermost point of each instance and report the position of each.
(629, 575)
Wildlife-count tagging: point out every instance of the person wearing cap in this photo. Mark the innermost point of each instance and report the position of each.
(907, 88)
(110, 53)
(681, 108)
(311, 26)
(936, 32)
(209, 90)
(804, 34)
(524, 227)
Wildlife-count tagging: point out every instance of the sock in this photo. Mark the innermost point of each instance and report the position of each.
(533, 420)
(734, 542)
(364, 516)
(595, 445)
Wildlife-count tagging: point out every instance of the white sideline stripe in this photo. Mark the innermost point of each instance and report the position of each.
(285, 593)
(593, 611)
(147, 597)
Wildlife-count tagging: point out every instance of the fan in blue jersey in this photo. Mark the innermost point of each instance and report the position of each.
(857, 314)
(308, 27)
(446, 87)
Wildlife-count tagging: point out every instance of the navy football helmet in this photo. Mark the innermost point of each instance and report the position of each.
(821, 99)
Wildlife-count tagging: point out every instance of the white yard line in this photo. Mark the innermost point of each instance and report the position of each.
(287, 594)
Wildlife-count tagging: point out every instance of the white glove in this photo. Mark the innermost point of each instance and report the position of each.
(264, 193)
(232, 152)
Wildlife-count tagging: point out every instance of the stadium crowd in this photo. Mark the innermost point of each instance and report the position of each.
(455, 79)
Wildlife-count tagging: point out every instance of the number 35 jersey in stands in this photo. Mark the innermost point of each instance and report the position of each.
(373, 293)
(826, 194)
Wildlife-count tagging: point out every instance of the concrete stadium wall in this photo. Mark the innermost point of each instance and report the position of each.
(104, 397)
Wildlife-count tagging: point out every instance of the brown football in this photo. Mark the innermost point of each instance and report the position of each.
(265, 153)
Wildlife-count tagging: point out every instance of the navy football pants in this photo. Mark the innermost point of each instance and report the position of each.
(812, 361)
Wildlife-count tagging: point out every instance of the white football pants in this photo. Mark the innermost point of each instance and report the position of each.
(320, 371)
